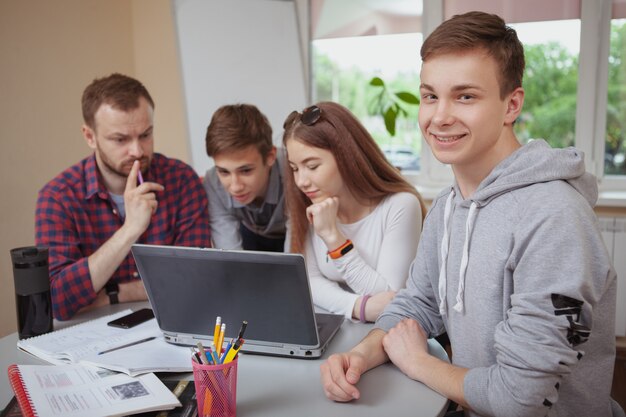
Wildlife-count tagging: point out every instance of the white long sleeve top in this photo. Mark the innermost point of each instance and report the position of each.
(385, 244)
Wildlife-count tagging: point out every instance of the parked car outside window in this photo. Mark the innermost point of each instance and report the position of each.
(402, 157)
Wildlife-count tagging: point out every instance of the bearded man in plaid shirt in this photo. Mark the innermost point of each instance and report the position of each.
(123, 193)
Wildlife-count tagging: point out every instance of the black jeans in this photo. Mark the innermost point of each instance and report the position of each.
(252, 241)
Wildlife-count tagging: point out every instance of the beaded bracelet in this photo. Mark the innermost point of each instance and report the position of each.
(362, 311)
(341, 250)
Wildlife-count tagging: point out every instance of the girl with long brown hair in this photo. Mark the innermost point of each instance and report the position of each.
(352, 214)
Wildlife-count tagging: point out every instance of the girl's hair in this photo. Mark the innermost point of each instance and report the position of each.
(362, 165)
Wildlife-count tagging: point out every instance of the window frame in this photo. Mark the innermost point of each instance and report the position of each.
(592, 89)
(590, 134)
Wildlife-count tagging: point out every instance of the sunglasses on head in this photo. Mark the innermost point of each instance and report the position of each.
(308, 117)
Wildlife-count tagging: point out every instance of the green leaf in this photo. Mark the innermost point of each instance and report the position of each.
(408, 97)
(390, 121)
(377, 81)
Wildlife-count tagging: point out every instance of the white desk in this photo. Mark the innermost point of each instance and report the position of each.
(288, 387)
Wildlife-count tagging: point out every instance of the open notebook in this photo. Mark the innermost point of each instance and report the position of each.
(79, 391)
(189, 287)
(84, 343)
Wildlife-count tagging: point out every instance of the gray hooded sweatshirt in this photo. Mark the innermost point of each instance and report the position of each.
(519, 277)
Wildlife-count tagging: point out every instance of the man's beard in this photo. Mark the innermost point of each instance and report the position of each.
(122, 171)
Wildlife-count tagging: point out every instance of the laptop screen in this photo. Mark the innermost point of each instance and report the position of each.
(189, 287)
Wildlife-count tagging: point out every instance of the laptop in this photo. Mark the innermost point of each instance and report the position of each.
(189, 287)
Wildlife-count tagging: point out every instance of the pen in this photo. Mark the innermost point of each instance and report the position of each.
(223, 357)
(147, 339)
(210, 356)
(195, 356)
(233, 351)
(244, 324)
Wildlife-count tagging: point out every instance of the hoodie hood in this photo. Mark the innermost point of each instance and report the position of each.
(533, 163)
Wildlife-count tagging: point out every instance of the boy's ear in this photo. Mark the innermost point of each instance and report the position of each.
(90, 136)
(515, 101)
(270, 158)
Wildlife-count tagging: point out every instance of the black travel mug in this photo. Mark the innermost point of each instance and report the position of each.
(32, 291)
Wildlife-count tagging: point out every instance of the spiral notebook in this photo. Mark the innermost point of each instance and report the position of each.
(79, 391)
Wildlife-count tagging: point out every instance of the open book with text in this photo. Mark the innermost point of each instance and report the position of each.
(76, 391)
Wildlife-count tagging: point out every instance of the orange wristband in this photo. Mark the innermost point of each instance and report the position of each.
(341, 250)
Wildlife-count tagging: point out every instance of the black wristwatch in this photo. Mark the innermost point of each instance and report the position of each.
(112, 289)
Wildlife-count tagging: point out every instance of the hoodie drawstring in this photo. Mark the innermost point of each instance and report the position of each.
(445, 245)
(469, 227)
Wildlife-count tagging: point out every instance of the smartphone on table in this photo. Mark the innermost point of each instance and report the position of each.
(132, 319)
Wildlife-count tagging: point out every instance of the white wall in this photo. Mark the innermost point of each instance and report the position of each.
(238, 51)
(50, 51)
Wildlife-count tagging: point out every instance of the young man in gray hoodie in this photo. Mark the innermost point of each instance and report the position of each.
(511, 263)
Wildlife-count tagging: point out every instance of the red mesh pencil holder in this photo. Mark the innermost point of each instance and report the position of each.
(216, 389)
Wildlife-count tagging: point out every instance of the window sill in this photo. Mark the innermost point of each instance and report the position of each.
(606, 199)
(612, 199)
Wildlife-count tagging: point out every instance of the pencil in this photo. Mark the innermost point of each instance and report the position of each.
(202, 354)
(147, 339)
(220, 340)
(216, 332)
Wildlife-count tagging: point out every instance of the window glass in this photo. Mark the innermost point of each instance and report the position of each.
(354, 42)
(342, 71)
(550, 81)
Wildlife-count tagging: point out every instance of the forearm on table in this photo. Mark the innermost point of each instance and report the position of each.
(128, 292)
(442, 377)
(371, 347)
(70, 286)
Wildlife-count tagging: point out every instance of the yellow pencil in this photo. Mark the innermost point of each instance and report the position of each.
(216, 332)
(220, 340)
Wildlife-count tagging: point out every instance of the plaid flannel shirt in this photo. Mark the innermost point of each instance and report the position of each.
(75, 216)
